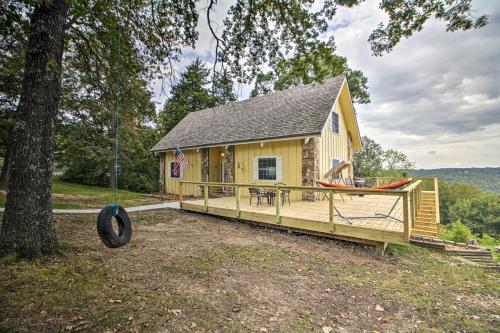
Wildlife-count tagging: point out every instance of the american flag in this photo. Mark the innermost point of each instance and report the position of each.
(180, 162)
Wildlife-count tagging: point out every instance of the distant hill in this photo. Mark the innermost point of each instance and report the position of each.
(485, 178)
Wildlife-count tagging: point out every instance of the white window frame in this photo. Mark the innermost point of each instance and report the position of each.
(169, 170)
(279, 168)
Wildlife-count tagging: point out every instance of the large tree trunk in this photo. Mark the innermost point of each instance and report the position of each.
(4, 175)
(27, 228)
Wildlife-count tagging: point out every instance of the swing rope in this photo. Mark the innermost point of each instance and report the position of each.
(117, 114)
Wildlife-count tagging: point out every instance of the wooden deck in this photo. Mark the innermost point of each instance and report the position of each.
(350, 207)
(361, 215)
(314, 216)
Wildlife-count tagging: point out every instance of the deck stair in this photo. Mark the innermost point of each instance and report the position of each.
(476, 254)
(480, 257)
(426, 223)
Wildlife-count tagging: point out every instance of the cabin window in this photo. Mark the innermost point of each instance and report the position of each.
(267, 168)
(335, 122)
(171, 169)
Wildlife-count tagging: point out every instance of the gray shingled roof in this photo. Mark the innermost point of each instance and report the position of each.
(298, 111)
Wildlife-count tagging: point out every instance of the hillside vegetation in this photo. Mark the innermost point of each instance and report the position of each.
(485, 178)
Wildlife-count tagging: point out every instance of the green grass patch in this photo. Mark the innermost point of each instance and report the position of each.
(67, 195)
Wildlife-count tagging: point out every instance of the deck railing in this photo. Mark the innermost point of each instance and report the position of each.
(411, 197)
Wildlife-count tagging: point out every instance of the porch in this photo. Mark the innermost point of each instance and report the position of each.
(374, 217)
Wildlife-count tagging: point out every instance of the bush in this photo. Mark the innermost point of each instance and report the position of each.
(488, 241)
(459, 232)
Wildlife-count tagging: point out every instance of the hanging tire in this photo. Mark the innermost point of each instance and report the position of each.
(109, 236)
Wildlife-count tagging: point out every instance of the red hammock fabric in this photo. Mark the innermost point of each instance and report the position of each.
(391, 186)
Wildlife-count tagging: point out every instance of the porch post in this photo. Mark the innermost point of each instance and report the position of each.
(331, 210)
(406, 218)
(161, 183)
(278, 203)
(238, 204)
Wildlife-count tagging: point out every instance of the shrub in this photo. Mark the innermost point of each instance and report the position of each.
(459, 232)
(488, 241)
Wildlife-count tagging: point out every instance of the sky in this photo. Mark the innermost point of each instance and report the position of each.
(435, 97)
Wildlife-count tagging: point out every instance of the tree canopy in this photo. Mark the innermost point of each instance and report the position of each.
(315, 66)
(193, 91)
(372, 160)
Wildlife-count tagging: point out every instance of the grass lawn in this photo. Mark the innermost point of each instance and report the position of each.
(68, 195)
(188, 272)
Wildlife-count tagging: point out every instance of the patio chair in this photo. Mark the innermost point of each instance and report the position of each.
(257, 193)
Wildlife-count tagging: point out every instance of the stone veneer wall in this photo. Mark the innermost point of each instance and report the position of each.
(204, 164)
(161, 183)
(310, 166)
(229, 165)
(229, 168)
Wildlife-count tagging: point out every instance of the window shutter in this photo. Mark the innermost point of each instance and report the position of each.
(169, 174)
(279, 168)
(255, 168)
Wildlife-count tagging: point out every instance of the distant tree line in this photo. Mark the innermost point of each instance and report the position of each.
(477, 209)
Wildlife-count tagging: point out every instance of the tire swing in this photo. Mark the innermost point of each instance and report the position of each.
(118, 235)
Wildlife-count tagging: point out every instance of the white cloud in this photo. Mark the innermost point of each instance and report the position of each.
(437, 91)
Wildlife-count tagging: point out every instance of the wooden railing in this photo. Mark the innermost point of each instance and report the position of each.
(411, 204)
(410, 195)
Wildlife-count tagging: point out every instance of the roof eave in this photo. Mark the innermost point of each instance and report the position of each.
(218, 144)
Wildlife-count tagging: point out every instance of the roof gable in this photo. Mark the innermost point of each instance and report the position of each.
(298, 111)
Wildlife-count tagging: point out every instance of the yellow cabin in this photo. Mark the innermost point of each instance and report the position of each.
(291, 137)
(260, 160)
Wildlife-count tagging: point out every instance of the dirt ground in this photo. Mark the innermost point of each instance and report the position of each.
(185, 272)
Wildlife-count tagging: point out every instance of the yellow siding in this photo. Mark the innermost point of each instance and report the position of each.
(333, 145)
(192, 173)
(214, 164)
(290, 151)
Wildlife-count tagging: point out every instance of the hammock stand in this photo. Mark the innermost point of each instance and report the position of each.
(392, 186)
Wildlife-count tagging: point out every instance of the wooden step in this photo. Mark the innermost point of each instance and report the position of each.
(424, 233)
(470, 252)
(477, 258)
(440, 246)
(425, 220)
(481, 260)
(426, 215)
(428, 224)
(424, 228)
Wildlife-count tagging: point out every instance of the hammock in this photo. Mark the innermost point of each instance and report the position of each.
(391, 186)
